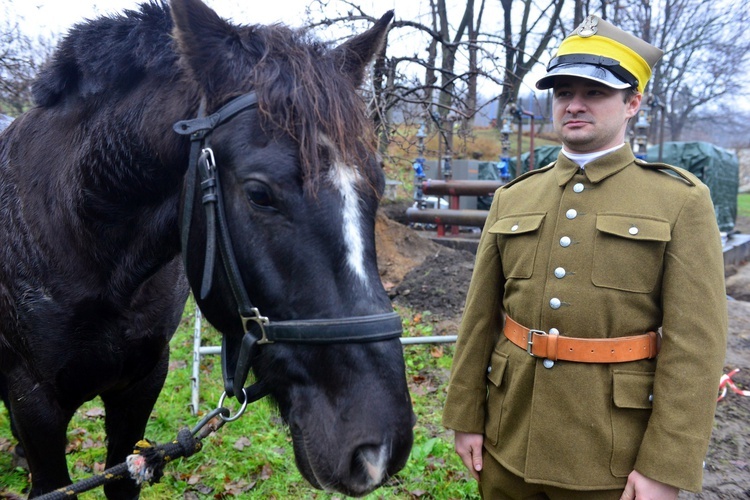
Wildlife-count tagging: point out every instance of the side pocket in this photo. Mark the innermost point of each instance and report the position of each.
(495, 395)
(631, 408)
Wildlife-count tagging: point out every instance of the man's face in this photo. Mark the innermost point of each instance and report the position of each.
(589, 116)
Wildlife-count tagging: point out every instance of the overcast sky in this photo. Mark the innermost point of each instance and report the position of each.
(52, 18)
(58, 15)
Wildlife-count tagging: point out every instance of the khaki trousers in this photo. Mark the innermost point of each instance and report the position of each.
(498, 483)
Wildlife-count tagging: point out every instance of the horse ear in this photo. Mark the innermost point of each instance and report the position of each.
(204, 41)
(356, 53)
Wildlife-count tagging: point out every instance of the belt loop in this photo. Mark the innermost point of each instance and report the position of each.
(653, 344)
(552, 346)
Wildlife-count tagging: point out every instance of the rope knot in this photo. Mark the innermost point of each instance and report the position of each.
(147, 462)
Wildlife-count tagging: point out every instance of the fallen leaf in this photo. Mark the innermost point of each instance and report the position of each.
(266, 472)
(238, 487)
(95, 413)
(242, 443)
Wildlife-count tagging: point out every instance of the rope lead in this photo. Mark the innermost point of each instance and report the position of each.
(146, 463)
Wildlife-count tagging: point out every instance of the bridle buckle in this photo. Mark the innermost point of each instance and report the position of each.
(261, 321)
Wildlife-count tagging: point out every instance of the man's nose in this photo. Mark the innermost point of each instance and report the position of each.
(576, 105)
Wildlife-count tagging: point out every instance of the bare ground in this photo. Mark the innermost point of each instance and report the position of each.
(426, 276)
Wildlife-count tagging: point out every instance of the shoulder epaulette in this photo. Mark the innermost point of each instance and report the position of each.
(529, 174)
(676, 172)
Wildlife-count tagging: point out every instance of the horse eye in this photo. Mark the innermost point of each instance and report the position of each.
(259, 194)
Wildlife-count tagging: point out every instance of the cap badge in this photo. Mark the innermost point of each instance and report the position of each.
(588, 27)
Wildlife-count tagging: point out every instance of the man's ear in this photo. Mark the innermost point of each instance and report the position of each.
(633, 104)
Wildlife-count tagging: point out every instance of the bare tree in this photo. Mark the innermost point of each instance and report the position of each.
(432, 78)
(17, 68)
(526, 37)
(707, 50)
(21, 56)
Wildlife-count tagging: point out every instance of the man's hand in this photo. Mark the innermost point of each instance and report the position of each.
(469, 448)
(640, 487)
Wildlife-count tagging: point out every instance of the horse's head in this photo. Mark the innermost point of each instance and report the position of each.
(293, 196)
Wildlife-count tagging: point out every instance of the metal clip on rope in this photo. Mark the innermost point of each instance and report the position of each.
(228, 418)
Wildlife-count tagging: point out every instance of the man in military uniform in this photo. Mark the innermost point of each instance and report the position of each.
(594, 332)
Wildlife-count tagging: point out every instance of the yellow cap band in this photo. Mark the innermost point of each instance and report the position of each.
(597, 45)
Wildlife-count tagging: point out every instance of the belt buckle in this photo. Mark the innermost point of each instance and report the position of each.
(530, 341)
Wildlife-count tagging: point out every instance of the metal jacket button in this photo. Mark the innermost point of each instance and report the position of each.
(555, 303)
(514, 227)
(571, 214)
(564, 241)
(633, 230)
(560, 273)
(578, 187)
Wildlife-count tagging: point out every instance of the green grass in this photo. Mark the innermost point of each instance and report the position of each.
(252, 457)
(743, 205)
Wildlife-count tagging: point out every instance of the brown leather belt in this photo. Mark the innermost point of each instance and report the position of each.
(557, 347)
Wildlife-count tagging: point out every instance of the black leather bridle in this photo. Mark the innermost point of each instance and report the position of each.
(258, 329)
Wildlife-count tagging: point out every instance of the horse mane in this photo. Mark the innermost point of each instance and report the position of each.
(109, 53)
(301, 92)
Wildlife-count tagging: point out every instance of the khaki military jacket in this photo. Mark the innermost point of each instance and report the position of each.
(620, 248)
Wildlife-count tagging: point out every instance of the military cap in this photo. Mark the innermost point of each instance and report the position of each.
(600, 51)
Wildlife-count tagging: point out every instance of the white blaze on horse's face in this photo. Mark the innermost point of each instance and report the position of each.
(346, 179)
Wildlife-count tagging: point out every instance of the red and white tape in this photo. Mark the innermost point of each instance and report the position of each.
(726, 382)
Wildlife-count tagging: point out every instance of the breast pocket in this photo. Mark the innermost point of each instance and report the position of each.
(518, 240)
(629, 252)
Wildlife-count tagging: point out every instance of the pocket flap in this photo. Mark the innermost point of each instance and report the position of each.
(634, 227)
(495, 371)
(517, 224)
(633, 389)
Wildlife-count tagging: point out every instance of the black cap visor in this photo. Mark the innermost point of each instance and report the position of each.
(600, 69)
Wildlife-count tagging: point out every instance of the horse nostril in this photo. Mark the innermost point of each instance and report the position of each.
(372, 460)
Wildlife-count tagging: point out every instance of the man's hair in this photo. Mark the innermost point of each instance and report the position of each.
(629, 93)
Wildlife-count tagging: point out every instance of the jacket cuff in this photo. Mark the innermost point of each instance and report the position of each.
(672, 458)
(464, 408)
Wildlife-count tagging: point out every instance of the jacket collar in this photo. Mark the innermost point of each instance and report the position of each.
(597, 170)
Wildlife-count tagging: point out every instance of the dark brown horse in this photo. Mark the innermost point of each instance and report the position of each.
(267, 187)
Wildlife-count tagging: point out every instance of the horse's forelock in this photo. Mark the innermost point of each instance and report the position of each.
(302, 93)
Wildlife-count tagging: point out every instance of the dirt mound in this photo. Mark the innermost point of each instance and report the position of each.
(400, 249)
(727, 469)
(439, 284)
(421, 274)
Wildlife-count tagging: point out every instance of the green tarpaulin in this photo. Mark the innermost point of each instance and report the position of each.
(718, 168)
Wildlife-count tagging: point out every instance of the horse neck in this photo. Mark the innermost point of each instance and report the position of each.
(117, 175)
